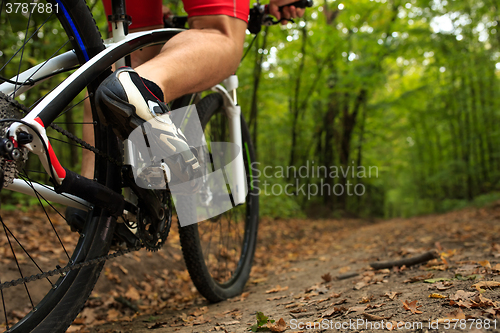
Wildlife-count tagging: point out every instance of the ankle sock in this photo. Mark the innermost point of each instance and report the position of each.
(154, 88)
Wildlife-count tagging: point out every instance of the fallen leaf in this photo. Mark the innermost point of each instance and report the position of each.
(277, 289)
(485, 284)
(198, 312)
(326, 277)
(123, 269)
(485, 263)
(392, 295)
(366, 299)
(375, 306)
(113, 314)
(279, 326)
(244, 296)
(358, 308)
(412, 306)
(329, 312)
(442, 286)
(467, 270)
(419, 278)
(360, 285)
(132, 293)
(457, 314)
(374, 317)
(463, 304)
(462, 295)
(341, 301)
(483, 302)
(344, 269)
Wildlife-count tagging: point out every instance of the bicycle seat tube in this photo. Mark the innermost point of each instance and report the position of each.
(119, 24)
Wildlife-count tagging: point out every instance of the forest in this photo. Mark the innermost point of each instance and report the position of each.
(407, 88)
(366, 108)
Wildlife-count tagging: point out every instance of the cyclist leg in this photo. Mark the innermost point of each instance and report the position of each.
(199, 58)
(144, 18)
(191, 61)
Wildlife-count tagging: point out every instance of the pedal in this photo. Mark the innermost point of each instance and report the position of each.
(153, 177)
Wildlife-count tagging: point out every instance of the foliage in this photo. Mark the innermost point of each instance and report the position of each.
(410, 87)
(261, 322)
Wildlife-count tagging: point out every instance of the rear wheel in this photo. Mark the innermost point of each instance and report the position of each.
(218, 252)
(34, 235)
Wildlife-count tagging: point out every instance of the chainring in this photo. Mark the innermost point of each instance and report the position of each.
(11, 109)
(154, 233)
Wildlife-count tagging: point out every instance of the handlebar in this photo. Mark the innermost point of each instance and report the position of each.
(299, 4)
(259, 15)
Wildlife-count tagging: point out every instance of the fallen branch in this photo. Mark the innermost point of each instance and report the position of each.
(127, 303)
(424, 257)
(382, 309)
(347, 276)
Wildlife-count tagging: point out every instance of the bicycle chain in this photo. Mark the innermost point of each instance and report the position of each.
(68, 268)
(85, 145)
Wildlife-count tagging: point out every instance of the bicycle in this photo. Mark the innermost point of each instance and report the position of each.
(145, 215)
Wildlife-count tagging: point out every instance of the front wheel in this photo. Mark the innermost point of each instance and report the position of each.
(218, 252)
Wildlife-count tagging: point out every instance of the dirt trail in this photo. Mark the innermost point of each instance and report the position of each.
(291, 280)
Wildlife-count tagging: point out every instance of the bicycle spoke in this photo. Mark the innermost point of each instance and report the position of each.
(17, 262)
(48, 188)
(66, 142)
(207, 251)
(4, 308)
(44, 63)
(38, 196)
(70, 108)
(24, 250)
(22, 47)
(22, 54)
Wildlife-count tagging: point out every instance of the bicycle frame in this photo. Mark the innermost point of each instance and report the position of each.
(51, 106)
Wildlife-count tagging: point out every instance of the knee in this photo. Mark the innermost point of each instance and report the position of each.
(231, 28)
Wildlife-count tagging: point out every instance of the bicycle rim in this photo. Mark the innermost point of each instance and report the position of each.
(34, 234)
(219, 252)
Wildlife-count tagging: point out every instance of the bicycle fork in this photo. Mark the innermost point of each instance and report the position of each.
(233, 112)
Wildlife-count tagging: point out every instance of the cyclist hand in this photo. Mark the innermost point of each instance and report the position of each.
(288, 12)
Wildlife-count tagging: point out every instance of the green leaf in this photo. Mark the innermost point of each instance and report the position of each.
(261, 319)
(465, 278)
(436, 280)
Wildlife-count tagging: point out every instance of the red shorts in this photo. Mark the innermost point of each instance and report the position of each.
(150, 13)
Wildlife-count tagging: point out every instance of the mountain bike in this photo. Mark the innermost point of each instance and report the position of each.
(48, 271)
